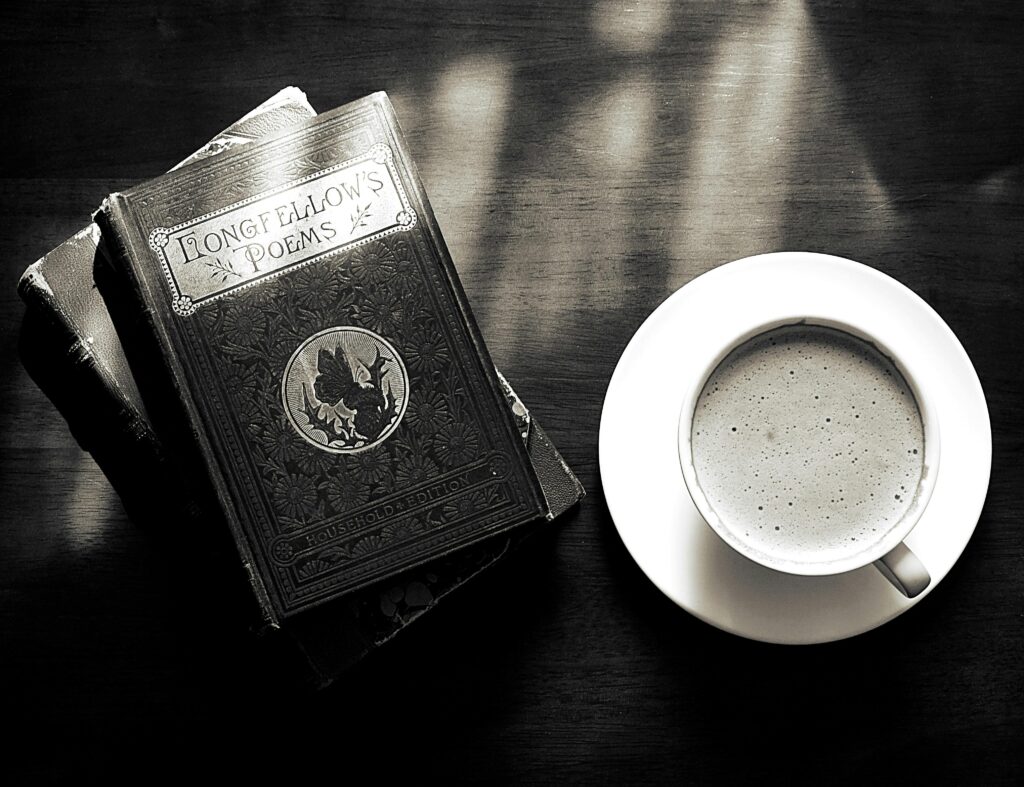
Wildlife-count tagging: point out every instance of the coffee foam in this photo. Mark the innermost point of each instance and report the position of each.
(808, 444)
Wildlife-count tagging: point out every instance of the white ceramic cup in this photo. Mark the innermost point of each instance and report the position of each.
(889, 554)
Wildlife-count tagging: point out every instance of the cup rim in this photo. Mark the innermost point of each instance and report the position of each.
(864, 555)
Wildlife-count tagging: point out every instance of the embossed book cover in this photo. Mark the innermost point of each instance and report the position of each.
(313, 337)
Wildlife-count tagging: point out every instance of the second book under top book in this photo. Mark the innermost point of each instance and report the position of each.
(308, 332)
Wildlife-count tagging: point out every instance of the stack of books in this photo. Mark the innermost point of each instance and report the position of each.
(270, 343)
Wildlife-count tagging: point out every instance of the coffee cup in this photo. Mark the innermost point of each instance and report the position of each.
(809, 447)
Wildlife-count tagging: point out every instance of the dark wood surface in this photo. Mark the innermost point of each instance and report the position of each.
(585, 161)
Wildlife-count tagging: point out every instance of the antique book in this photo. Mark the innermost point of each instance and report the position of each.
(303, 345)
(69, 346)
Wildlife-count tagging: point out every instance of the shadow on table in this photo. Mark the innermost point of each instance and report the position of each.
(925, 82)
(848, 712)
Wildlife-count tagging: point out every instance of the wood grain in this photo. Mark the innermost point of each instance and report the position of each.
(584, 161)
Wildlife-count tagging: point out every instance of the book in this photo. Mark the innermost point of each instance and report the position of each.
(298, 331)
(70, 348)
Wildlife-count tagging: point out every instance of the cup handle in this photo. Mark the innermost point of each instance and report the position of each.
(904, 569)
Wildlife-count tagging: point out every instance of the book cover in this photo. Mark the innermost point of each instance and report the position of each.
(308, 328)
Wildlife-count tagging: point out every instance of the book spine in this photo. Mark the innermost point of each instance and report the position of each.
(72, 357)
(145, 345)
(103, 420)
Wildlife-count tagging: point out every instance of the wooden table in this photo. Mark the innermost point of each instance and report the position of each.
(585, 161)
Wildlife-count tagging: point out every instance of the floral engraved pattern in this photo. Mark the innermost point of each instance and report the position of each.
(278, 444)
(344, 493)
(456, 444)
(158, 239)
(319, 159)
(428, 352)
(427, 412)
(400, 531)
(295, 496)
(406, 277)
(414, 469)
(242, 323)
(183, 305)
(373, 264)
(221, 270)
(370, 467)
(252, 336)
(317, 288)
(315, 463)
(240, 382)
(312, 567)
(367, 546)
(468, 505)
(381, 312)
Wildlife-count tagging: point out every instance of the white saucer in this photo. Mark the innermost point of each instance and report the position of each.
(643, 484)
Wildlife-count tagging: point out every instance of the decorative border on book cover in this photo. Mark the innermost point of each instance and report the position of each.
(296, 224)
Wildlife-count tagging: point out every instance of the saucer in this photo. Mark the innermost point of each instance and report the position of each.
(643, 484)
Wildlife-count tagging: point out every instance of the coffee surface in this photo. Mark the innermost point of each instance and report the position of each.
(808, 443)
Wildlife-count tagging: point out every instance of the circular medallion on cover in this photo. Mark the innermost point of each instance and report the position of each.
(345, 389)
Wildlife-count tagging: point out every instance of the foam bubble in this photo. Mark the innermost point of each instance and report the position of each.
(834, 439)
